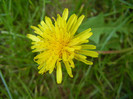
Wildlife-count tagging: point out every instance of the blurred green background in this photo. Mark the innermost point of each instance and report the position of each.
(111, 76)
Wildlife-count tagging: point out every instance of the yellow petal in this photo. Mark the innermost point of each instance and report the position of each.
(71, 56)
(52, 64)
(88, 46)
(38, 50)
(69, 49)
(76, 47)
(33, 37)
(65, 14)
(49, 60)
(80, 38)
(76, 26)
(43, 24)
(57, 30)
(72, 63)
(41, 65)
(80, 56)
(83, 33)
(41, 28)
(68, 68)
(64, 56)
(37, 30)
(83, 59)
(71, 21)
(59, 72)
(42, 55)
(42, 70)
(88, 53)
(86, 36)
(42, 60)
(49, 23)
(61, 22)
(85, 41)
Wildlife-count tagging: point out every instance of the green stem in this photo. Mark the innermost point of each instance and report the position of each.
(115, 52)
(3, 80)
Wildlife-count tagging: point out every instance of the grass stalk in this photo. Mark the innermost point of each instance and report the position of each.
(4, 82)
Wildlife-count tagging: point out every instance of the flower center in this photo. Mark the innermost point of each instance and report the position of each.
(58, 46)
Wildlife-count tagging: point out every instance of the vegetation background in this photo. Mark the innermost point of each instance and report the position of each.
(111, 76)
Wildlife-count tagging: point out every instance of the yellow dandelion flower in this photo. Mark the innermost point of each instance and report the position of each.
(57, 43)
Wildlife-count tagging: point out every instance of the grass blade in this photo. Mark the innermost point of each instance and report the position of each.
(4, 82)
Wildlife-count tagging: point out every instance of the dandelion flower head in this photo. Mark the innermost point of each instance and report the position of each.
(57, 44)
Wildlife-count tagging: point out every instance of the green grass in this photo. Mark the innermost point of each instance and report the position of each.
(111, 76)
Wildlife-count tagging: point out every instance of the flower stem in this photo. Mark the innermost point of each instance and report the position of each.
(115, 52)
